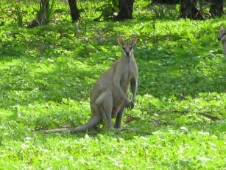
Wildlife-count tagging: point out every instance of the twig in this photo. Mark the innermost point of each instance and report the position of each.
(206, 114)
(209, 116)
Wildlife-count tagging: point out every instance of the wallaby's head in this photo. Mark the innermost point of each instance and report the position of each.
(127, 47)
(222, 33)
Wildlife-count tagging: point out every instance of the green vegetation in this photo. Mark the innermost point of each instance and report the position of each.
(48, 72)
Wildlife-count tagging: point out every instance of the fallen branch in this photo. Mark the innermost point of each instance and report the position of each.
(206, 114)
(210, 116)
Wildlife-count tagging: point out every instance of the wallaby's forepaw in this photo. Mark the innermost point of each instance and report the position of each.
(130, 105)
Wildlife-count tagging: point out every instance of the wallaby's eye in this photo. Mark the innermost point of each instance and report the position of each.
(124, 48)
(131, 48)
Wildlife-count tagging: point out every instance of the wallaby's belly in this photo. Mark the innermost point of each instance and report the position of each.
(118, 100)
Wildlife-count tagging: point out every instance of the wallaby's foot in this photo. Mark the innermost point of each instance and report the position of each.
(118, 125)
(110, 127)
(130, 105)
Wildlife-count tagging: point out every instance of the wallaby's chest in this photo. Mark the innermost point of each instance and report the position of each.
(129, 71)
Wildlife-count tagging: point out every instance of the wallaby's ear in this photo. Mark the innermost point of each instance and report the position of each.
(222, 28)
(121, 41)
(133, 41)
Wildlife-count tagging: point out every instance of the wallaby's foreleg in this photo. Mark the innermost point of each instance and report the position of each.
(117, 83)
(133, 84)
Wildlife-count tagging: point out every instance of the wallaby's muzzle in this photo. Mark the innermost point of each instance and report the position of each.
(219, 38)
(221, 35)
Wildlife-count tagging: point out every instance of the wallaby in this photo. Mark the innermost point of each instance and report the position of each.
(222, 37)
(110, 94)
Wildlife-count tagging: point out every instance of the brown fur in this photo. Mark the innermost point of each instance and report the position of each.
(222, 37)
(110, 94)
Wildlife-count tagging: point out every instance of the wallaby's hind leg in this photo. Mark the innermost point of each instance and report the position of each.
(106, 114)
(104, 103)
(119, 117)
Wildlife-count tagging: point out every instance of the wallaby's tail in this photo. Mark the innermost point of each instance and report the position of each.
(59, 130)
(93, 121)
(89, 125)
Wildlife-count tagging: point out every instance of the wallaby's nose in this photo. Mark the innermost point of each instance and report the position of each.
(219, 38)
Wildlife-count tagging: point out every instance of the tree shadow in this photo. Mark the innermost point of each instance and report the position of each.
(176, 65)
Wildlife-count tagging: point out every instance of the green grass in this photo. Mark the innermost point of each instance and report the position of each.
(47, 74)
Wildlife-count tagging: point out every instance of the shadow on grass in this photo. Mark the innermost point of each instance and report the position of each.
(150, 125)
(181, 68)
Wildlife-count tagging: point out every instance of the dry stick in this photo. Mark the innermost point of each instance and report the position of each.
(187, 111)
(209, 116)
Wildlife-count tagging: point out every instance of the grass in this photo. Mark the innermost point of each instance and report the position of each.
(48, 72)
